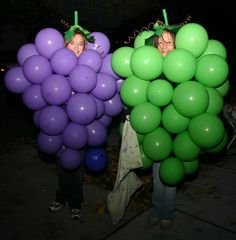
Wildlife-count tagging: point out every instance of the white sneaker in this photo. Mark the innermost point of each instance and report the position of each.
(75, 213)
(56, 206)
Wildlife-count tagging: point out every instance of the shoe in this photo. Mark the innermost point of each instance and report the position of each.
(153, 221)
(75, 213)
(166, 224)
(56, 206)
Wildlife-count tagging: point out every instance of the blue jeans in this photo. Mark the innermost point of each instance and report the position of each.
(163, 197)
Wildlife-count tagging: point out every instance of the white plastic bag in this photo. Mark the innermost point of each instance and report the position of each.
(127, 182)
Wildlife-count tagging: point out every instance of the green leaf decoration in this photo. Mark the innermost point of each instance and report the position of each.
(69, 34)
(159, 28)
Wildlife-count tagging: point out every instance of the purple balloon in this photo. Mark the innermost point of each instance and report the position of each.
(49, 144)
(97, 133)
(75, 136)
(53, 120)
(63, 61)
(100, 107)
(36, 118)
(105, 120)
(37, 68)
(107, 67)
(91, 58)
(32, 97)
(25, 51)
(102, 43)
(105, 88)
(119, 83)
(48, 40)
(83, 79)
(15, 80)
(60, 151)
(70, 159)
(56, 89)
(113, 106)
(81, 108)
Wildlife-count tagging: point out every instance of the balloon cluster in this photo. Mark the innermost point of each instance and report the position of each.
(73, 99)
(177, 116)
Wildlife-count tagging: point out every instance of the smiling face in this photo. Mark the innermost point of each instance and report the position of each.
(77, 44)
(165, 43)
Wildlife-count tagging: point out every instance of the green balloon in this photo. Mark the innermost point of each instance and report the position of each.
(190, 98)
(216, 101)
(184, 148)
(172, 171)
(193, 37)
(179, 65)
(224, 88)
(140, 137)
(133, 91)
(159, 92)
(147, 162)
(173, 121)
(191, 167)
(145, 117)
(215, 47)
(157, 145)
(141, 38)
(212, 70)
(146, 63)
(206, 130)
(220, 146)
(120, 61)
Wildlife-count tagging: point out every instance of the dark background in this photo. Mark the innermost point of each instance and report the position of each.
(21, 20)
(116, 18)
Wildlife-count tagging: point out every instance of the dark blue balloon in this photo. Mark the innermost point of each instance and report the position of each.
(95, 159)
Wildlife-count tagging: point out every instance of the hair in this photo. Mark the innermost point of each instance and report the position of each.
(150, 25)
(156, 38)
(77, 31)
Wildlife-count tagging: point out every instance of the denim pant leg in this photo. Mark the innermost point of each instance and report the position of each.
(70, 186)
(163, 198)
(76, 188)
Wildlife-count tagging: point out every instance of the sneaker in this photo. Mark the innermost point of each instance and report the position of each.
(75, 213)
(56, 206)
(166, 224)
(153, 221)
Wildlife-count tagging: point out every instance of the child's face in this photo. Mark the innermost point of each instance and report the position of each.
(165, 43)
(77, 44)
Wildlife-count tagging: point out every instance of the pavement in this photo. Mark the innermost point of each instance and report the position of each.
(206, 205)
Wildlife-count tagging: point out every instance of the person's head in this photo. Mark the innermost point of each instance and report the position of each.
(165, 43)
(77, 43)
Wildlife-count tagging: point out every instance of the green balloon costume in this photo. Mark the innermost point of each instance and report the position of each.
(178, 117)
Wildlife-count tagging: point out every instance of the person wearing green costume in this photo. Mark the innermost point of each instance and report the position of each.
(164, 196)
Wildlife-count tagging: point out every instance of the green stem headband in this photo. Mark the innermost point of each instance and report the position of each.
(159, 28)
(69, 34)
